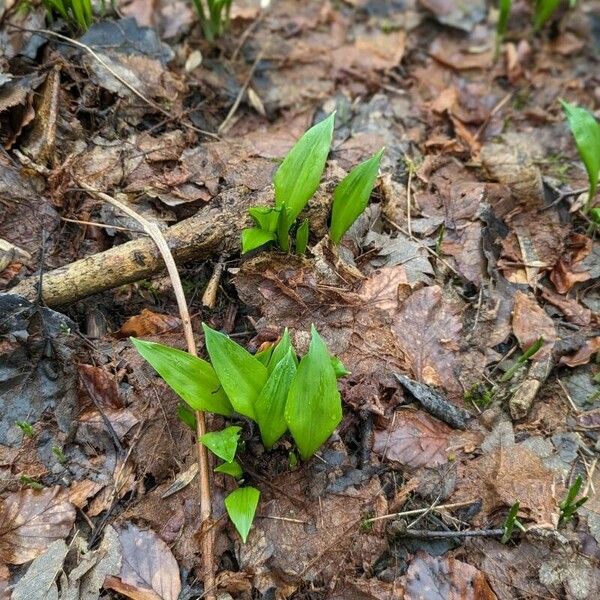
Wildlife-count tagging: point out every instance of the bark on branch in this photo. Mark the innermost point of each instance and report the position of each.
(213, 230)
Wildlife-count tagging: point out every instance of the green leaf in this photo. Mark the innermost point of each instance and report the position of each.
(544, 9)
(190, 377)
(313, 408)
(352, 195)
(230, 468)
(595, 215)
(509, 523)
(264, 356)
(241, 374)
(241, 507)
(299, 175)
(302, 238)
(270, 405)
(254, 237)
(281, 349)
(223, 443)
(339, 368)
(186, 416)
(504, 6)
(586, 131)
(265, 217)
(283, 227)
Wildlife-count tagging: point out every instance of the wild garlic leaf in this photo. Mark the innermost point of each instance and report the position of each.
(302, 238)
(352, 195)
(339, 368)
(264, 356)
(254, 237)
(313, 408)
(241, 507)
(270, 404)
(190, 377)
(265, 217)
(230, 468)
(280, 350)
(299, 175)
(186, 415)
(586, 131)
(544, 9)
(223, 443)
(241, 374)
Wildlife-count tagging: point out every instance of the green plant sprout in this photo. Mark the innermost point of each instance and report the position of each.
(504, 7)
(510, 373)
(26, 428)
(586, 131)
(544, 9)
(272, 388)
(569, 506)
(214, 17)
(510, 523)
(78, 12)
(295, 183)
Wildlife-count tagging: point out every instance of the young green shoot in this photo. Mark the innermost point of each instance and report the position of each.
(213, 16)
(510, 523)
(544, 9)
(241, 507)
(522, 360)
(223, 443)
(569, 506)
(504, 7)
(586, 131)
(77, 12)
(26, 428)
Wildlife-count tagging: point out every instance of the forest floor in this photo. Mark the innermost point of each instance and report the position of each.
(473, 248)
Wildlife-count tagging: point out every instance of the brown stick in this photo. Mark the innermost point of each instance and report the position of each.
(207, 531)
(214, 230)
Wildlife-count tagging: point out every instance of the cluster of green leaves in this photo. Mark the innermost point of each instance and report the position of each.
(296, 181)
(214, 16)
(570, 505)
(586, 131)
(273, 388)
(510, 523)
(78, 12)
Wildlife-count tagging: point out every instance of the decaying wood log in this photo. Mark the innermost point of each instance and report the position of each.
(213, 230)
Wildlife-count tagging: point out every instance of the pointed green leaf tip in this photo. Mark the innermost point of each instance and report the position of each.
(241, 374)
(314, 407)
(223, 443)
(586, 131)
(352, 196)
(241, 507)
(230, 468)
(190, 377)
(299, 175)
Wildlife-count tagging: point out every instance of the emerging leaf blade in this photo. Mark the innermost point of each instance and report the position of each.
(544, 9)
(299, 175)
(352, 195)
(223, 443)
(241, 374)
(241, 507)
(302, 238)
(586, 131)
(254, 237)
(280, 350)
(270, 405)
(230, 468)
(190, 377)
(314, 407)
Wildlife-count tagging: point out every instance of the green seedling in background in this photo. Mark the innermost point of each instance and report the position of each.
(510, 523)
(504, 7)
(270, 388)
(544, 9)
(522, 360)
(59, 454)
(78, 12)
(213, 16)
(30, 482)
(26, 428)
(569, 506)
(586, 131)
(295, 183)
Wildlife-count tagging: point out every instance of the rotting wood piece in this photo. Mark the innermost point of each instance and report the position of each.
(213, 230)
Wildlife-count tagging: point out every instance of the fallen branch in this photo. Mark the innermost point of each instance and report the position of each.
(213, 230)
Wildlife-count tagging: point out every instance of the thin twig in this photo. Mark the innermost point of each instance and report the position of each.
(425, 534)
(207, 533)
(419, 511)
(118, 77)
(104, 225)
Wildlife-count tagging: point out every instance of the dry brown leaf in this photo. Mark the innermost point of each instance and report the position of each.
(530, 322)
(568, 271)
(414, 439)
(149, 570)
(573, 311)
(444, 577)
(584, 354)
(4, 582)
(383, 289)
(30, 520)
(102, 385)
(446, 51)
(80, 491)
(148, 323)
